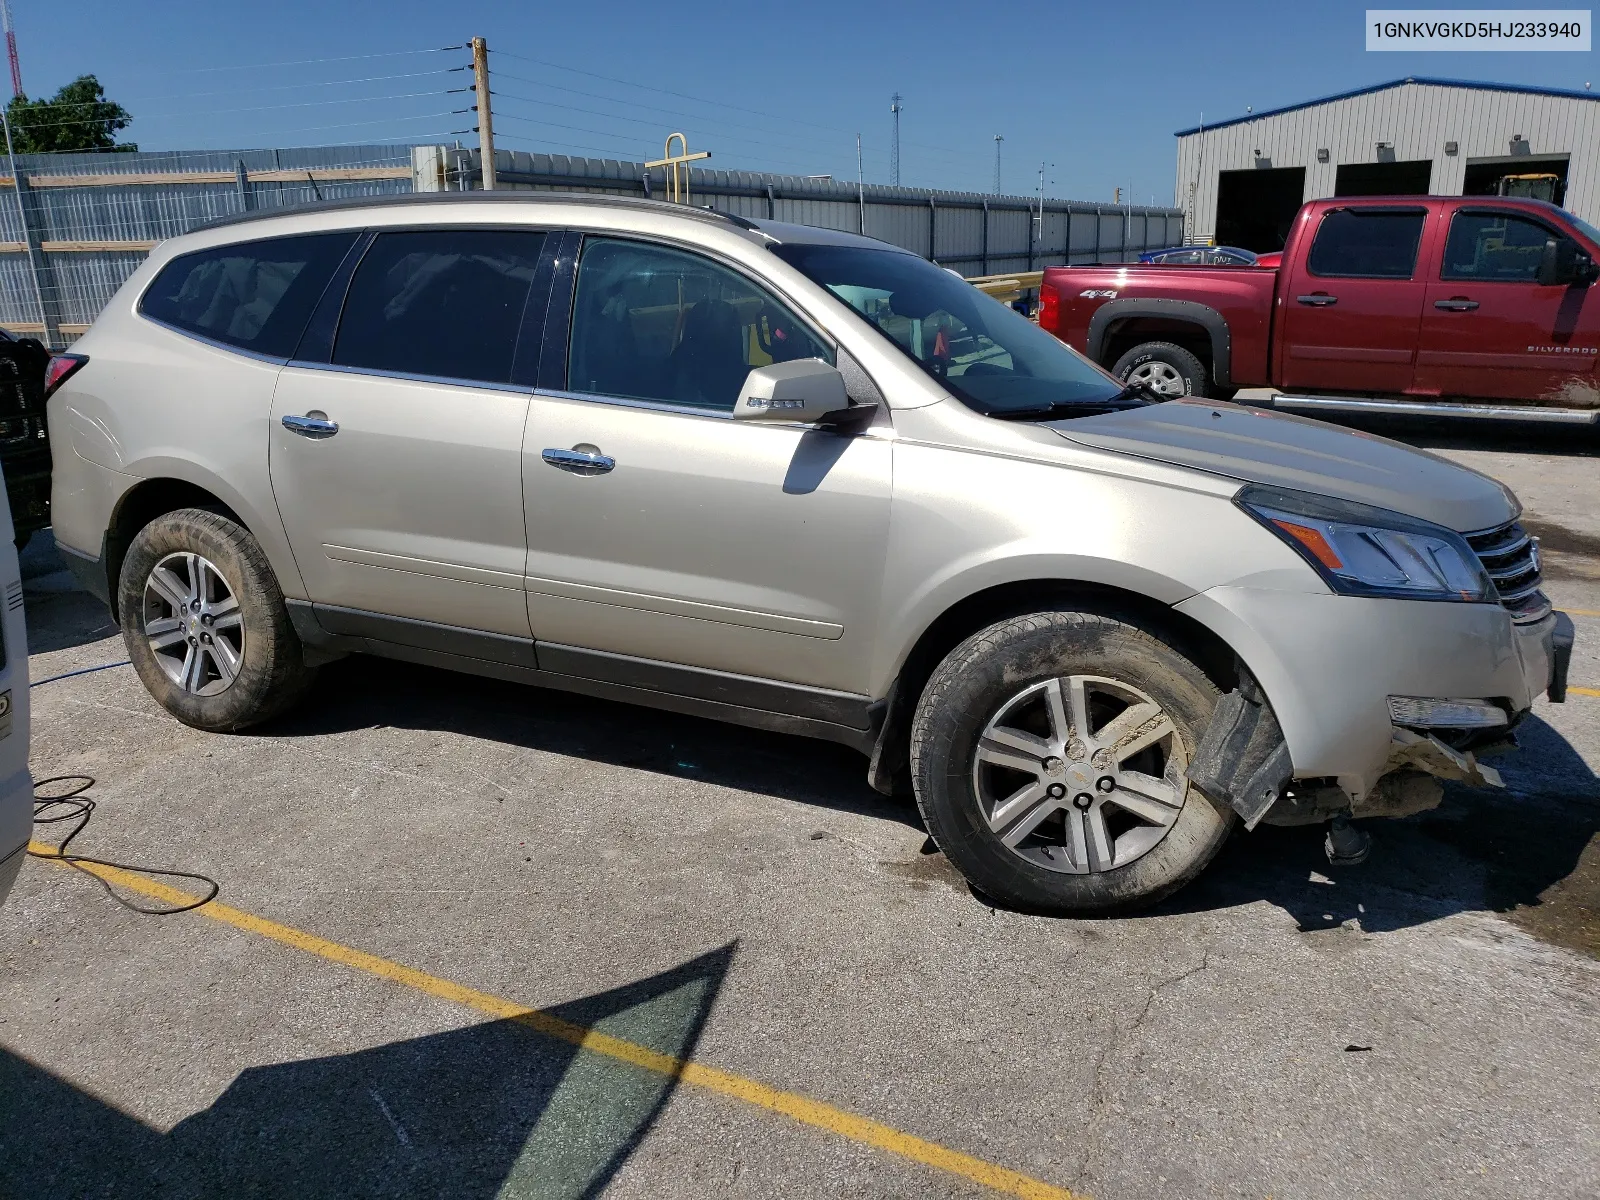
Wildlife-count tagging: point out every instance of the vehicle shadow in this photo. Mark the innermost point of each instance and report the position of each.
(361, 693)
(1530, 852)
(59, 614)
(494, 1109)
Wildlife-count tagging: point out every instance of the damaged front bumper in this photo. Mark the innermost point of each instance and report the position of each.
(1244, 761)
(1311, 731)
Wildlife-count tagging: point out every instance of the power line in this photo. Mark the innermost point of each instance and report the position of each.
(791, 120)
(307, 62)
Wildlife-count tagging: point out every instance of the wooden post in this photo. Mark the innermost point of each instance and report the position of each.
(480, 87)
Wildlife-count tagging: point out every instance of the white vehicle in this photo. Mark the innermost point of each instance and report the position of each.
(16, 785)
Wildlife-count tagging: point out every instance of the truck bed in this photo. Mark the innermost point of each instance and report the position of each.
(1083, 311)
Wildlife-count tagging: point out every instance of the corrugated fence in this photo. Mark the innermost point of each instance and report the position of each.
(74, 227)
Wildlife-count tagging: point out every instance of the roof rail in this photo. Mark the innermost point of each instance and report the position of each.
(640, 204)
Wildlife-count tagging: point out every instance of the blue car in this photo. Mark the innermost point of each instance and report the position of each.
(1201, 256)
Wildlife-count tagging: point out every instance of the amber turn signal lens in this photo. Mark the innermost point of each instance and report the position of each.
(1313, 541)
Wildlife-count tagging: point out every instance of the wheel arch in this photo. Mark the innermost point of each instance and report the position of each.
(1118, 325)
(965, 616)
(165, 486)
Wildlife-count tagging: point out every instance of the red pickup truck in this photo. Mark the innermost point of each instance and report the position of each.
(1477, 305)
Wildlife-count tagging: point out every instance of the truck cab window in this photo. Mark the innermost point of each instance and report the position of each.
(1354, 243)
(1493, 247)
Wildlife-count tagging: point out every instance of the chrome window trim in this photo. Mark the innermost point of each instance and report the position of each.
(377, 373)
(278, 359)
(683, 410)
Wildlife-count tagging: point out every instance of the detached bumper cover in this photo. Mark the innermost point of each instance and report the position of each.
(1327, 664)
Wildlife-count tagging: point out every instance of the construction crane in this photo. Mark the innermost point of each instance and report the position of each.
(11, 47)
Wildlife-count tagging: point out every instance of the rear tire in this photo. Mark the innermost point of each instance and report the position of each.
(1121, 825)
(1167, 369)
(205, 623)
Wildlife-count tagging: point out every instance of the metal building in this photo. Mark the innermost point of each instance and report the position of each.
(1241, 181)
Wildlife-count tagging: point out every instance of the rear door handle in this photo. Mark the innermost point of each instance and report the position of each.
(1318, 300)
(1456, 305)
(313, 425)
(579, 461)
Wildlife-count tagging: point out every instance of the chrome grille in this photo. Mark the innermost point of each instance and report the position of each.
(1512, 559)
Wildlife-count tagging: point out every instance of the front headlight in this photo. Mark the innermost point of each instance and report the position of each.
(1365, 551)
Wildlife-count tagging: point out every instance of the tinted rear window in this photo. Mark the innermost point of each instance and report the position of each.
(255, 295)
(445, 303)
(1367, 244)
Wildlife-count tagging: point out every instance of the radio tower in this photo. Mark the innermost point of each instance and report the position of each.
(894, 152)
(11, 48)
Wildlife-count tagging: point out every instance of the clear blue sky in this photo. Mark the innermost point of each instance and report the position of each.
(1095, 89)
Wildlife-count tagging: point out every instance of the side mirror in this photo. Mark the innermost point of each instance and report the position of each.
(804, 391)
(1558, 263)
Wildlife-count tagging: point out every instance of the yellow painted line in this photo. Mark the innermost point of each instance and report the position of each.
(1581, 612)
(1585, 691)
(790, 1104)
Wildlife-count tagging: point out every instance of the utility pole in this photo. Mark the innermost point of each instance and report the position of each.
(861, 188)
(998, 138)
(894, 152)
(480, 87)
(11, 48)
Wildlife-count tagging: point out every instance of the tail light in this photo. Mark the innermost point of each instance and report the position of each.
(1049, 307)
(62, 368)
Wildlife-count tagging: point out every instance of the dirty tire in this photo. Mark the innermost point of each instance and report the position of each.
(980, 676)
(1196, 380)
(272, 674)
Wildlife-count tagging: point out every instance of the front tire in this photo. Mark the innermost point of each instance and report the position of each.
(1166, 369)
(205, 623)
(1049, 754)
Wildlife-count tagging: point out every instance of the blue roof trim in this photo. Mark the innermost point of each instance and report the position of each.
(1478, 85)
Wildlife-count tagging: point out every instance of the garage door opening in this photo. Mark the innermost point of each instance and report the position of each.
(1409, 178)
(1255, 209)
(1538, 178)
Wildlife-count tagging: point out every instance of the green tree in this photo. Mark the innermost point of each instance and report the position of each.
(78, 117)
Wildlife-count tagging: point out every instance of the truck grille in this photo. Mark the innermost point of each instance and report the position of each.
(1512, 559)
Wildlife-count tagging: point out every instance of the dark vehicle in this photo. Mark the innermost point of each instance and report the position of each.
(1200, 256)
(24, 443)
(1474, 306)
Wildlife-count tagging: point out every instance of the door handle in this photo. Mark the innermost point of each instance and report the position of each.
(1457, 304)
(313, 425)
(1318, 299)
(579, 461)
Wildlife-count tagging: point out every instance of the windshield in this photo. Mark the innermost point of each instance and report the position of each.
(989, 356)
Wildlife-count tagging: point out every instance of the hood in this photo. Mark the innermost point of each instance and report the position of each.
(1260, 446)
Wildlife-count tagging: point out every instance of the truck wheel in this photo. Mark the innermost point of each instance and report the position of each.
(1168, 370)
(1049, 753)
(205, 623)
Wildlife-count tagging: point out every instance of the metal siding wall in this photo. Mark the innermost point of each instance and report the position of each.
(1418, 118)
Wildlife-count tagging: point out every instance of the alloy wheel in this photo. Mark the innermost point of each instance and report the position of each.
(1162, 378)
(193, 624)
(1080, 774)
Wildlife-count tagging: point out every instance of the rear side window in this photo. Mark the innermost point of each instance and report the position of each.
(445, 303)
(1359, 243)
(254, 295)
(1493, 246)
